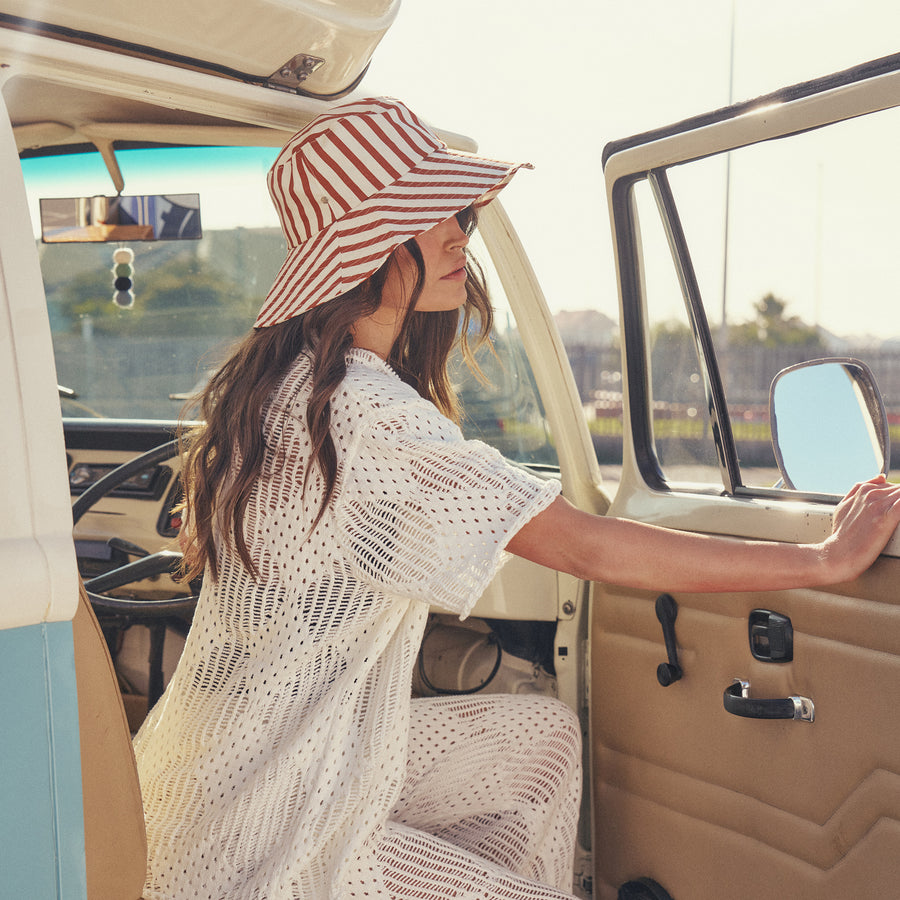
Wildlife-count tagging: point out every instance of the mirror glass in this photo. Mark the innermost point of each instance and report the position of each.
(150, 217)
(829, 428)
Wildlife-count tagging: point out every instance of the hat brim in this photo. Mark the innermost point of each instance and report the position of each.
(357, 244)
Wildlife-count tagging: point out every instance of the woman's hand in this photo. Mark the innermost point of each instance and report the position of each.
(862, 524)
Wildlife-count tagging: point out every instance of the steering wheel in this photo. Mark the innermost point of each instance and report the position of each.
(146, 566)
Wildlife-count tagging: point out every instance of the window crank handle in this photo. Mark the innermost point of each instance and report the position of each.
(667, 611)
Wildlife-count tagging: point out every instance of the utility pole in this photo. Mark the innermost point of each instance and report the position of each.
(723, 334)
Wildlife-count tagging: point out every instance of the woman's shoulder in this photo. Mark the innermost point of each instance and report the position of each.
(372, 383)
(373, 392)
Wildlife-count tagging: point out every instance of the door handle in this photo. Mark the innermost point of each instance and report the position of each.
(738, 702)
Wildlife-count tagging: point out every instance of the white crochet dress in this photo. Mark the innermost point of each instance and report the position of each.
(275, 767)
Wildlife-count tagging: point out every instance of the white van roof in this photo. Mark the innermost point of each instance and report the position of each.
(315, 47)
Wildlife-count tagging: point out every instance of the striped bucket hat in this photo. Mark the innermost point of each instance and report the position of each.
(354, 185)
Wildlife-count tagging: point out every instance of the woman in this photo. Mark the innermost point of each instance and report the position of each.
(333, 501)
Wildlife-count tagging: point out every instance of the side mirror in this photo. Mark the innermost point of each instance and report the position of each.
(829, 427)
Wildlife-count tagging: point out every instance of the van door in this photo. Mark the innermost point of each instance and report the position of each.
(42, 843)
(733, 266)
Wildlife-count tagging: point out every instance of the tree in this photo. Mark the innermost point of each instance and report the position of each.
(772, 328)
(188, 295)
(674, 364)
(88, 294)
(183, 295)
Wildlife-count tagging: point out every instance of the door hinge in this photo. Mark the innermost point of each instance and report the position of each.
(291, 75)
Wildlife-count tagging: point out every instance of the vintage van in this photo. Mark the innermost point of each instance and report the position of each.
(736, 746)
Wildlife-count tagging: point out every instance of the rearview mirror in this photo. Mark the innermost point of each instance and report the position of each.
(154, 217)
(829, 427)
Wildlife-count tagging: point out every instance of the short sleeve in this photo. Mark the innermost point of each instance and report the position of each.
(426, 514)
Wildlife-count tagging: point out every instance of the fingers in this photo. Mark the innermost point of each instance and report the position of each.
(874, 503)
(878, 485)
(863, 523)
(892, 500)
(862, 486)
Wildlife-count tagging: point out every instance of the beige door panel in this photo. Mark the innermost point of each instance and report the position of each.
(717, 806)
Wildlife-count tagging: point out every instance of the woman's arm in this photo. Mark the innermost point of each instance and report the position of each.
(619, 551)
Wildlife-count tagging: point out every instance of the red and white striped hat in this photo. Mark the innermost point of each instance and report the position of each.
(354, 185)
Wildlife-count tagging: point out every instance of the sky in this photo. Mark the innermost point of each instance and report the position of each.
(552, 83)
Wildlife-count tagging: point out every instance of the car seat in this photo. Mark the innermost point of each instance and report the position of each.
(114, 836)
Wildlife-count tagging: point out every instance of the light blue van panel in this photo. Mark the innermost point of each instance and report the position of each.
(41, 817)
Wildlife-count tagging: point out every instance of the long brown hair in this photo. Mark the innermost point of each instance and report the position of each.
(223, 456)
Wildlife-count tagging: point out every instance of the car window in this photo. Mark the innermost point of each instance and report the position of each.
(676, 403)
(502, 406)
(141, 355)
(793, 243)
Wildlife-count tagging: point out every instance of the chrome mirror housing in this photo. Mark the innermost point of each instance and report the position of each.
(829, 426)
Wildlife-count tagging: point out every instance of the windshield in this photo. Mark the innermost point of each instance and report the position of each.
(139, 350)
(191, 299)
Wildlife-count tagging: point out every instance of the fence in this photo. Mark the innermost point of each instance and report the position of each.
(747, 371)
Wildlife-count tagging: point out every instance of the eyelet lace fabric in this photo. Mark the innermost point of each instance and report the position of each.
(286, 760)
